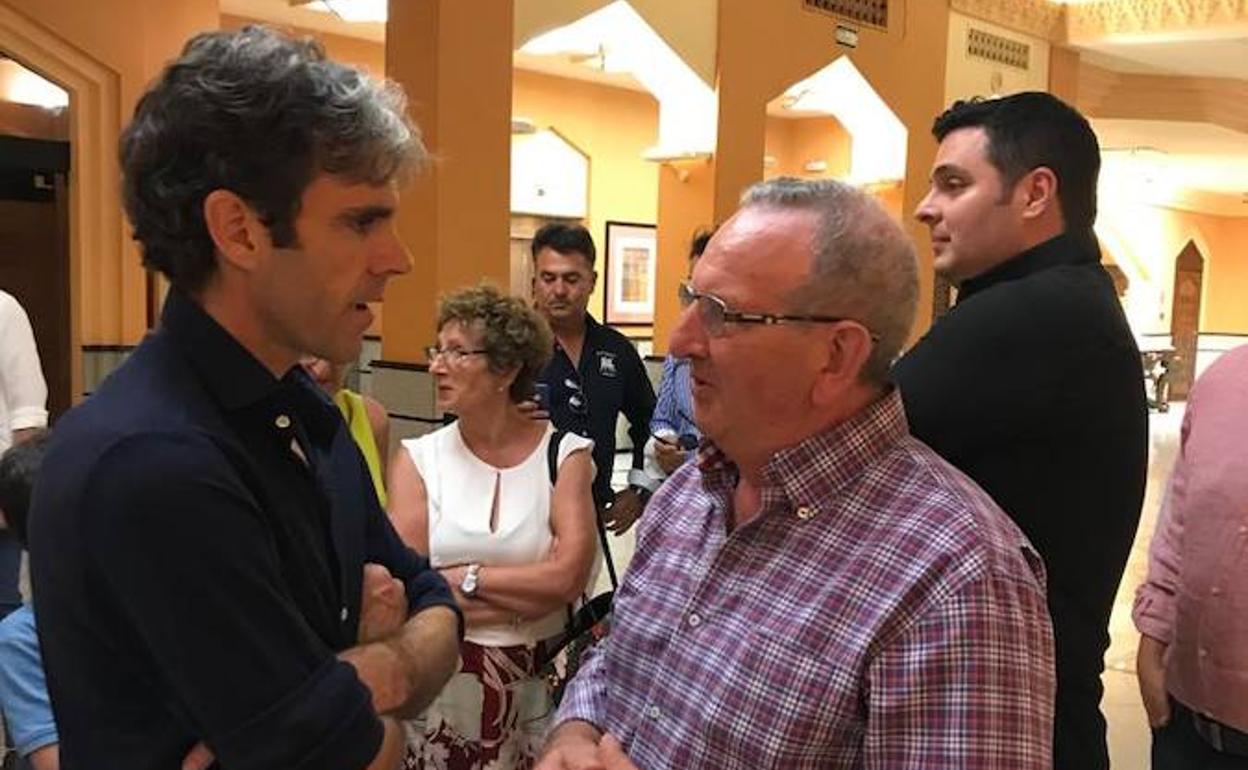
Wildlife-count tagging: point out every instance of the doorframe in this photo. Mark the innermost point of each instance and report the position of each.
(94, 130)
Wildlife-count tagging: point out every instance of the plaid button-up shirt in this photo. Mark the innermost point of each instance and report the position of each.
(879, 612)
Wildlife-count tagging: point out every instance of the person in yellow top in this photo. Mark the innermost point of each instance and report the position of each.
(366, 418)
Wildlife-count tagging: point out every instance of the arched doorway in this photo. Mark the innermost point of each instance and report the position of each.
(1189, 270)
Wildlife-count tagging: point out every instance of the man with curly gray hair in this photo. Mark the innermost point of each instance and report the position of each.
(214, 573)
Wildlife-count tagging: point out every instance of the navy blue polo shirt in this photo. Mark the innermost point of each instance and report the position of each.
(588, 399)
(194, 575)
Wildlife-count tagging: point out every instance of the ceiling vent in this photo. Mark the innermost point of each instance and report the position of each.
(996, 49)
(870, 13)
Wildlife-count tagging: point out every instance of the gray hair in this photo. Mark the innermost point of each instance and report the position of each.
(260, 114)
(864, 264)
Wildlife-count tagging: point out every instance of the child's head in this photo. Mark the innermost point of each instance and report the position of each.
(19, 467)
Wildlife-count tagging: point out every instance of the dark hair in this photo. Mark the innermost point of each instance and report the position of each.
(514, 335)
(565, 239)
(1032, 129)
(19, 469)
(700, 239)
(260, 114)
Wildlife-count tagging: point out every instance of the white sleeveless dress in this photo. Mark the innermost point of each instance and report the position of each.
(494, 712)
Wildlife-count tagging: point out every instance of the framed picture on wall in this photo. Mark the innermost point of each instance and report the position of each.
(628, 274)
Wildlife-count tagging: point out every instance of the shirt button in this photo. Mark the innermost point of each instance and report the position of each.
(282, 421)
(1204, 653)
(344, 614)
(805, 512)
(1216, 591)
(654, 713)
(695, 620)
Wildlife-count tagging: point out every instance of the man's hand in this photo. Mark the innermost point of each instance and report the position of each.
(623, 512)
(668, 455)
(612, 754)
(199, 758)
(407, 669)
(572, 746)
(383, 604)
(1150, 668)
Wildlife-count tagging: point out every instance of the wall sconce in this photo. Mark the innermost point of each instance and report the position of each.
(678, 160)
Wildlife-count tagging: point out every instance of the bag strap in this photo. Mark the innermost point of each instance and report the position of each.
(552, 455)
(552, 468)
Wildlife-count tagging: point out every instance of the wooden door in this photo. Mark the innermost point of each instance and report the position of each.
(1189, 270)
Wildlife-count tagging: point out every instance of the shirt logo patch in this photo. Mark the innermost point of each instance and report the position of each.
(606, 364)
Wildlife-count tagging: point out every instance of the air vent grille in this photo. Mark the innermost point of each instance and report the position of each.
(997, 49)
(871, 13)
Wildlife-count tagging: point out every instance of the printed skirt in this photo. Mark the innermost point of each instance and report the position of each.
(492, 715)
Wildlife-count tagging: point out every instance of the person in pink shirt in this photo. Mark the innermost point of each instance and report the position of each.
(1192, 610)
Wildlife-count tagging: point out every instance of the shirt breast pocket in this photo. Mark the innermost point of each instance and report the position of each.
(784, 704)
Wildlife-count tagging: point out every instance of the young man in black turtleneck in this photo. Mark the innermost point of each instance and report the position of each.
(1031, 384)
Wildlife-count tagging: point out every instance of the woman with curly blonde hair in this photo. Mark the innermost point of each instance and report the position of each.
(516, 545)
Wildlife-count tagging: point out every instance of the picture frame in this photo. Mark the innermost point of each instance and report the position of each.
(629, 266)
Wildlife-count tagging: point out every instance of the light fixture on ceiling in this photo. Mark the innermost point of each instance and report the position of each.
(348, 10)
(521, 125)
(24, 86)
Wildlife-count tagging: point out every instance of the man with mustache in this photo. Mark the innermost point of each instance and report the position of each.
(595, 373)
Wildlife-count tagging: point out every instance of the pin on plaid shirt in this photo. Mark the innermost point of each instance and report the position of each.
(879, 612)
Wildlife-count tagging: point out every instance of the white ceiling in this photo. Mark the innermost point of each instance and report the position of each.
(1197, 156)
(1223, 57)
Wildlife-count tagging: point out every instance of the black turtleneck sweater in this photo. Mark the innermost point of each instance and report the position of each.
(1032, 385)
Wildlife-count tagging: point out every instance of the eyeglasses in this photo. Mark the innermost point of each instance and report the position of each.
(453, 356)
(714, 314)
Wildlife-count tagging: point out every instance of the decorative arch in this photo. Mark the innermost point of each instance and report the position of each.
(1186, 306)
(94, 127)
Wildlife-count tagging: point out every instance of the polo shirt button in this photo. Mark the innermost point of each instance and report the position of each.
(282, 421)
(1204, 653)
(695, 620)
(805, 512)
(344, 614)
(1216, 591)
(654, 712)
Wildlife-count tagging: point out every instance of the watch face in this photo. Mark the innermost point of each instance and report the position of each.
(469, 585)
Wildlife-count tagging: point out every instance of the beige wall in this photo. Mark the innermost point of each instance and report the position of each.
(905, 65)
(1144, 240)
(794, 142)
(967, 76)
(612, 126)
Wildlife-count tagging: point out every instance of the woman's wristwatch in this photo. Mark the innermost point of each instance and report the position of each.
(468, 586)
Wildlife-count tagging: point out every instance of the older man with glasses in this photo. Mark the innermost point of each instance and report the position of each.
(820, 589)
